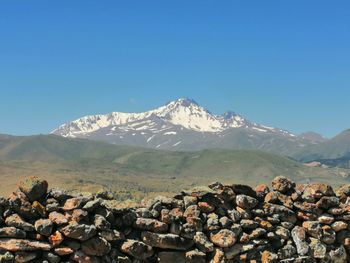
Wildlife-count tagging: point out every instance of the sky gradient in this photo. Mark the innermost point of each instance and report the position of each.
(280, 63)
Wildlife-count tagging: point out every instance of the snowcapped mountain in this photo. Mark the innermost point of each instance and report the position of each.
(179, 125)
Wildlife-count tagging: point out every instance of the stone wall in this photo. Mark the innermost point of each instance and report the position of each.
(220, 223)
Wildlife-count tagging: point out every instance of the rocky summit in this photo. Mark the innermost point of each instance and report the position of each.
(220, 223)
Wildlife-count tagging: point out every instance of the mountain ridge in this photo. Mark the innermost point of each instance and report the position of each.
(177, 125)
(184, 112)
(334, 152)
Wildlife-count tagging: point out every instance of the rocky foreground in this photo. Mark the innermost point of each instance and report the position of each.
(221, 223)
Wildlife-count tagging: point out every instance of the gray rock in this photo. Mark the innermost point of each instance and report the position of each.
(298, 235)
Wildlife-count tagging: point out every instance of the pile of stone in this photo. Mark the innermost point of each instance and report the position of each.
(218, 223)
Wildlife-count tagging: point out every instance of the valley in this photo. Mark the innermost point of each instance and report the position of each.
(134, 173)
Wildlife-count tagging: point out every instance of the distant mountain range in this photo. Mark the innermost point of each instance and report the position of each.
(333, 152)
(186, 126)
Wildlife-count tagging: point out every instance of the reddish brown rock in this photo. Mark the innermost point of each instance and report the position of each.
(63, 251)
(192, 211)
(96, 246)
(313, 192)
(206, 207)
(58, 218)
(224, 238)
(282, 184)
(137, 249)
(12, 232)
(268, 257)
(17, 221)
(261, 190)
(72, 203)
(14, 245)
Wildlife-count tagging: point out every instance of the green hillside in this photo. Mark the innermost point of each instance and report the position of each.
(133, 172)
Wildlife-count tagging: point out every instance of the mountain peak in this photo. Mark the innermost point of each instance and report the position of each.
(185, 102)
(313, 136)
(228, 115)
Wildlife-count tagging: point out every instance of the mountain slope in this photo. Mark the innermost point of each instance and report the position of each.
(337, 148)
(313, 137)
(182, 125)
(88, 165)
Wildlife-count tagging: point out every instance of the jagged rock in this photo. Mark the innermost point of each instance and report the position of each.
(63, 251)
(80, 257)
(261, 190)
(299, 238)
(12, 232)
(326, 219)
(195, 256)
(243, 189)
(233, 251)
(269, 257)
(137, 249)
(101, 223)
(288, 251)
(327, 202)
(51, 257)
(58, 218)
(202, 242)
(328, 235)
(166, 241)
(313, 192)
(44, 226)
(92, 205)
(152, 225)
(96, 246)
(224, 238)
(282, 232)
(282, 184)
(284, 213)
(72, 203)
(192, 211)
(234, 215)
(33, 187)
(111, 235)
(319, 250)
(339, 225)
(7, 258)
(14, 245)
(248, 224)
(56, 238)
(313, 228)
(246, 202)
(25, 256)
(171, 257)
(16, 221)
(338, 255)
(39, 208)
(78, 231)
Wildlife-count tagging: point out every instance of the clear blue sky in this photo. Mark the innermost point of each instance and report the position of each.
(280, 63)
